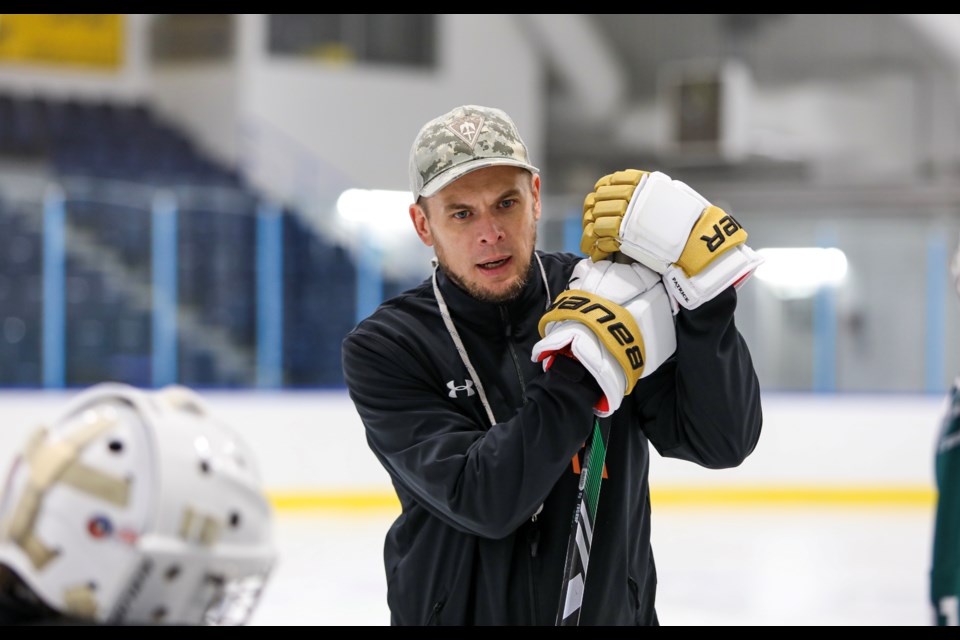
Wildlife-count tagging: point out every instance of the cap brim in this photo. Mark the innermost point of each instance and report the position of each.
(461, 170)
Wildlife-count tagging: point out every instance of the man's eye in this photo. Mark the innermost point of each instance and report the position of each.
(506, 204)
(461, 215)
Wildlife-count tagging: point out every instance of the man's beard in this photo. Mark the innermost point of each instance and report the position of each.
(499, 297)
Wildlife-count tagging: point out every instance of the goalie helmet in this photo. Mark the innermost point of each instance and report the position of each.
(138, 507)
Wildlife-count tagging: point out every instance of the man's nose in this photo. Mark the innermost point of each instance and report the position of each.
(490, 230)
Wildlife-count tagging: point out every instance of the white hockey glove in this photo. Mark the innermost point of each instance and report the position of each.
(698, 248)
(616, 320)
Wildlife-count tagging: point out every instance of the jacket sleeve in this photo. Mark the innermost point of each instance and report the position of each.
(478, 478)
(703, 405)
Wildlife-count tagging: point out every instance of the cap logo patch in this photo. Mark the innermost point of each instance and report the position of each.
(467, 128)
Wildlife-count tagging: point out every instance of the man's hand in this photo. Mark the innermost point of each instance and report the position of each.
(662, 223)
(616, 319)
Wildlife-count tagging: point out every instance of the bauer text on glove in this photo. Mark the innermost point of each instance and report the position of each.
(662, 223)
(616, 320)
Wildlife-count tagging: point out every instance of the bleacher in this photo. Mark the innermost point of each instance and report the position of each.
(99, 145)
(20, 301)
(319, 300)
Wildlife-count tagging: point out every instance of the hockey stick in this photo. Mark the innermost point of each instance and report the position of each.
(584, 517)
(581, 532)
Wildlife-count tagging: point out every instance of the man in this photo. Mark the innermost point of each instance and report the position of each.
(134, 507)
(477, 399)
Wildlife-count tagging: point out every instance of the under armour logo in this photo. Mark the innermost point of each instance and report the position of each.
(467, 128)
(466, 386)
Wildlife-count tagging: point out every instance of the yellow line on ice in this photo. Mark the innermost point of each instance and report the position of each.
(375, 501)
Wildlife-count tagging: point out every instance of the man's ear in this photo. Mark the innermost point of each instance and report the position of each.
(536, 196)
(418, 216)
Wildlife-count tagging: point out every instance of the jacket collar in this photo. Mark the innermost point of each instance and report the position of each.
(488, 317)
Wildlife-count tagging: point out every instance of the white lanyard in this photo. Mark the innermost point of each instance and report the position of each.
(458, 343)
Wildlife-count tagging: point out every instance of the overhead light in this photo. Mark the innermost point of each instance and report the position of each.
(799, 272)
(379, 213)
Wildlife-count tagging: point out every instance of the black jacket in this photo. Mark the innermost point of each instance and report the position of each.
(467, 548)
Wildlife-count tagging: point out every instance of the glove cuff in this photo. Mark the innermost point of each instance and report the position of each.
(734, 268)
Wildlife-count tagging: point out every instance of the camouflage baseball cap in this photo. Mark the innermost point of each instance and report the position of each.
(460, 141)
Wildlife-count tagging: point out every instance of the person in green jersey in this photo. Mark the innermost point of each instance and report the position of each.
(945, 566)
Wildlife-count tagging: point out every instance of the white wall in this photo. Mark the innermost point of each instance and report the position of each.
(851, 131)
(313, 442)
(345, 125)
(851, 441)
(353, 125)
(305, 130)
(854, 130)
(203, 99)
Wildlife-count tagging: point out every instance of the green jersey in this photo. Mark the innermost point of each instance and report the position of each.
(945, 571)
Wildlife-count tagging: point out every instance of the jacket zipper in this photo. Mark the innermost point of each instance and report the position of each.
(435, 613)
(533, 539)
(533, 531)
(513, 353)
